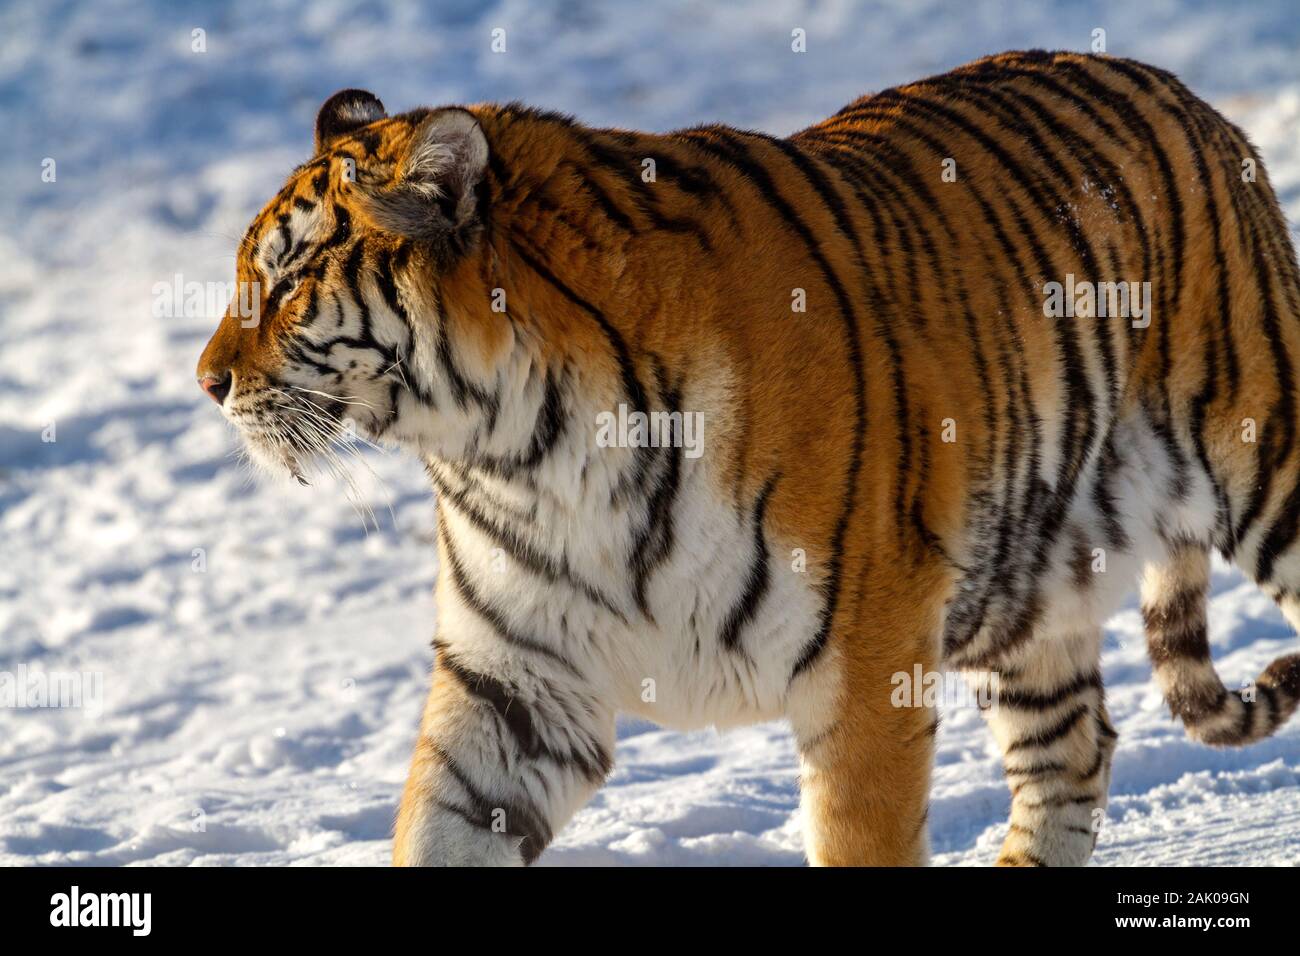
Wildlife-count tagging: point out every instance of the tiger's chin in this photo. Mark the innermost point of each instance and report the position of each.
(300, 447)
(277, 462)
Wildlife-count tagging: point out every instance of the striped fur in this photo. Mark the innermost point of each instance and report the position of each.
(1173, 609)
(922, 468)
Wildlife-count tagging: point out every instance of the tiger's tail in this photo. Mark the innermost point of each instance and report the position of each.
(1174, 602)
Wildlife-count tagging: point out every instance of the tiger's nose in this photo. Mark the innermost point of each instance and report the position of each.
(217, 388)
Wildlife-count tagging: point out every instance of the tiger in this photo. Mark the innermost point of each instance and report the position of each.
(910, 456)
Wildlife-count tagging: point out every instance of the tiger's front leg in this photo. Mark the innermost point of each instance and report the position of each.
(866, 760)
(506, 754)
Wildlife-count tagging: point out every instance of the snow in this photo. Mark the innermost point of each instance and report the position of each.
(263, 657)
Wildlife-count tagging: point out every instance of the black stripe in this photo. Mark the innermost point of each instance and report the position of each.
(548, 427)
(462, 389)
(1195, 118)
(1049, 735)
(1087, 799)
(602, 198)
(513, 712)
(1036, 770)
(493, 615)
(1045, 196)
(698, 182)
(654, 539)
(957, 635)
(518, 719)
(1106, 499)
(1124, 108)
(1098, 762)
(365, 337)
(1128, 70)
(626, 169)
(1007, 102)
(342, 229)
(1040, 190)
(1179, 641)
(757, 581)
(1169, 306)
(1273, 717)
(521, 550)
(1047, 699)
(522, 820)
(1283, 532)
(904, 512)
(386, 280)
(631, 384)
(1000, 71)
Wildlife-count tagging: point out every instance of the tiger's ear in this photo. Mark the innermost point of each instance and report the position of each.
(433, 191)
(345, 111)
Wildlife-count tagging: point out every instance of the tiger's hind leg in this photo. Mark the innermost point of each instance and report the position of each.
(1049, 717)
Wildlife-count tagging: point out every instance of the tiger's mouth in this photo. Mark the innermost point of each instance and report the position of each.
(290, 430)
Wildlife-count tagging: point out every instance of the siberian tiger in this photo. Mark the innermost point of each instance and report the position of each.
(908, 460)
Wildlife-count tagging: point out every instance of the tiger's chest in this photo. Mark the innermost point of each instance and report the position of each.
(678, 604)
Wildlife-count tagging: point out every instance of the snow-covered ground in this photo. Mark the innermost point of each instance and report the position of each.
(262, 659)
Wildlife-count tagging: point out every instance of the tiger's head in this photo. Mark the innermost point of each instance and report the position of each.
(335, 323)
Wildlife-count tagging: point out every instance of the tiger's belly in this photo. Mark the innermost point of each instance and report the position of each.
(732, 614)
(1033, 575)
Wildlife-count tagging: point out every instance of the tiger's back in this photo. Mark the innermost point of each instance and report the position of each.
(921, 447)
(1008, 421)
